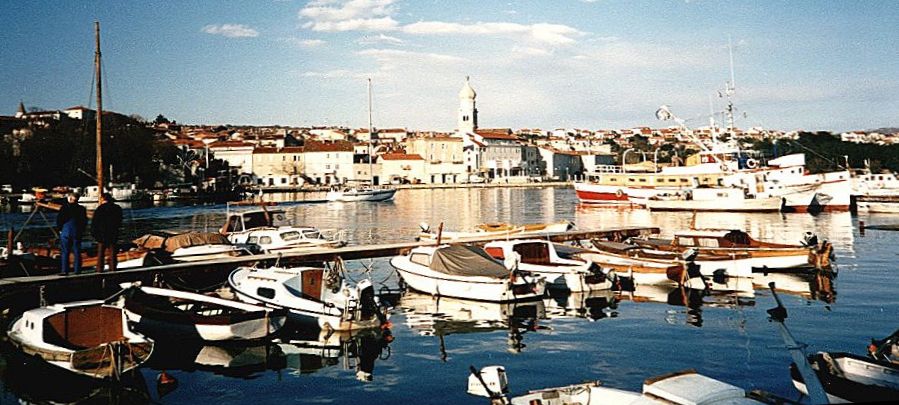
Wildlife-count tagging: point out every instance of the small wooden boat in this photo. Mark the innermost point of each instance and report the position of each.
(465, 272)
(539, 257)
(171, 314)
(682, 388)
(850, 378)
(711, 264)
(738, 244)
(637, 270)
(89, 338)
(310, 294)
(498, 230)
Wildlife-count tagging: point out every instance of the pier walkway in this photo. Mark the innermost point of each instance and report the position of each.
(16, 285)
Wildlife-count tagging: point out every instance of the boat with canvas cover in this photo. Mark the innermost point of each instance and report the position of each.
(190, 246)
(539, 257)
(172, 314)
(310, 294)
(497, 229)
(465, 272)
(681, 388)
(89, 338)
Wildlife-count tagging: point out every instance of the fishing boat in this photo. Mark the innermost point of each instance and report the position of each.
(683, 388)
(465, 272)
(718, 199)
(497, 229)
(310, 294)
(750, 252)
(171, 314)
(266, 231)
(364, 192)
(90, 338)
(850, 378)
(539, 257)
(190, 246)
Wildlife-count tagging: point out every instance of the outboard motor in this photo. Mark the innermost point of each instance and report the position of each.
(490, 382)
(810, 240)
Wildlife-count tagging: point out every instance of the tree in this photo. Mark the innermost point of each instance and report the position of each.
(161, 119)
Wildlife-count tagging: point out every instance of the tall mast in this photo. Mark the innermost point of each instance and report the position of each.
(99, 113)
(730, 88)
(371, 134)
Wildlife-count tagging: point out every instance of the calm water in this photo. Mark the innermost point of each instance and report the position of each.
(620, 340)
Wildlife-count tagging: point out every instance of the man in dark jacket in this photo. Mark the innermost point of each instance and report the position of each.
(71, 221)
(105, 229)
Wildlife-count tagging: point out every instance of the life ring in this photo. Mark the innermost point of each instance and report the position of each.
(619, 193)
(724, 167)
(752, 163)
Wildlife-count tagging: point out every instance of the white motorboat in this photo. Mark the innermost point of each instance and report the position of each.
(498, 230)
(717, 199)
(89, 338)
(681, 388)
(465, 272)
(310, 293)
(539, 257)
(361, 193)
(171, 314)
(265, 229)
(850, 378)
(878, 207)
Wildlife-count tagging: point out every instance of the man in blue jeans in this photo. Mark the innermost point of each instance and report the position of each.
(71, 221)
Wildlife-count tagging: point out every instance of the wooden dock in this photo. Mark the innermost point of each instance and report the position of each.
(56, 285)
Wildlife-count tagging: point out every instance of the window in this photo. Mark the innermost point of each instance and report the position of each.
(265, 292)
(265, 240)
(292, 235)
(643, 180)
(253, 240)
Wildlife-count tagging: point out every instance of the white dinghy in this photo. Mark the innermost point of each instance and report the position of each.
(539, 257)
(465, 272)
(680, 388)
(310, 293)
(89, 338)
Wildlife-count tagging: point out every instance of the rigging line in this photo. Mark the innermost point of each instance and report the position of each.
(816, 153)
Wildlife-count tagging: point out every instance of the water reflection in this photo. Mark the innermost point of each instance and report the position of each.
(443, 316)
(593, 305)
(31, 380)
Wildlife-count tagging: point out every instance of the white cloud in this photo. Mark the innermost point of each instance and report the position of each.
(334, 74)
(550, 34)
(231, 30)
(351, 15)
(397, 55)
(303, 43)
(379, 39)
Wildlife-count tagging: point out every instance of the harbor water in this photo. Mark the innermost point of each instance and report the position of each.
(617, 338)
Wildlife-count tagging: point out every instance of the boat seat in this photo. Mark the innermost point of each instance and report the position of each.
(83, 327)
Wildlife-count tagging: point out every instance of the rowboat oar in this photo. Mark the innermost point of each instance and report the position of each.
(797, 351)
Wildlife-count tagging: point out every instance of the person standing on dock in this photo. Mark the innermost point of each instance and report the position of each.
(71, 221)
(105, 230)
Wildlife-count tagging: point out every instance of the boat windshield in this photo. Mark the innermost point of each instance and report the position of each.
(290, 236)
(312, 234)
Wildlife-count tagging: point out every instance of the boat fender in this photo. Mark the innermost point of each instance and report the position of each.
(619, 193)
(752, 163)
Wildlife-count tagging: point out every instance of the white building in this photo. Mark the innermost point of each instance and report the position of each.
(329, 162)
(238, 154)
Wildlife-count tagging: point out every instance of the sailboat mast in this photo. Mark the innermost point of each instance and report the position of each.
(371, 134)
(99, 113)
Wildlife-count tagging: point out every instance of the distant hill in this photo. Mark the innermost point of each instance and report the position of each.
(888, 130)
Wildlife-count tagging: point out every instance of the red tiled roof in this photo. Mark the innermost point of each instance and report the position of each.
(401, 156)
(286, 149)
(229, 144)
(340, 146)
(499, 133)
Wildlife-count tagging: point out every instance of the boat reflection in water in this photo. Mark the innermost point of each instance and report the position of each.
(443, 316)
(732, 292)
(593, 305)
(27, 379)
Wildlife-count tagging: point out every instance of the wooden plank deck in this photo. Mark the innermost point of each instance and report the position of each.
(16, 284)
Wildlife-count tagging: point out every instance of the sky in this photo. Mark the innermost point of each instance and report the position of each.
(592, 64)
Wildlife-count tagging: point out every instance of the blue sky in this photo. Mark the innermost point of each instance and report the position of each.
(811, 65)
